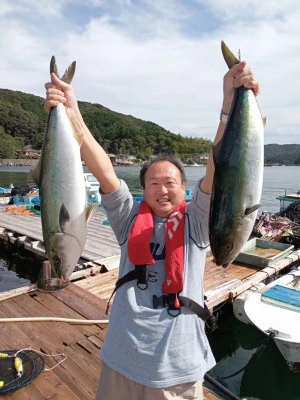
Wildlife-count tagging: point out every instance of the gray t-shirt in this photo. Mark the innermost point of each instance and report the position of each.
(148, 345)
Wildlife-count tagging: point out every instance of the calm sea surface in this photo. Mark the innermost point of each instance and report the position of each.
(237, 347)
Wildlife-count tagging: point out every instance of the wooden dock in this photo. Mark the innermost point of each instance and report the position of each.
(101, 253)
(26, 230)
(77, 377)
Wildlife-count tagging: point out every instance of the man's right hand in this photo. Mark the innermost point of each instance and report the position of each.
(57, 92)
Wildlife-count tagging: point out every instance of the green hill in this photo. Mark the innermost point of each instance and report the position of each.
(23, 121)
(284, 154)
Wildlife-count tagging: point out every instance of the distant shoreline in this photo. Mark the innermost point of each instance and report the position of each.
(23, 162)
(8, 162)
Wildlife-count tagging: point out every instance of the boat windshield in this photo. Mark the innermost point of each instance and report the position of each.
(91, 178)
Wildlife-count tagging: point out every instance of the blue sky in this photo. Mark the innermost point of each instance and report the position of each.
(158, 60)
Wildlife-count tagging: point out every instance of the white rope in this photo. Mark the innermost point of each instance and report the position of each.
(56, 319)
(43, 355)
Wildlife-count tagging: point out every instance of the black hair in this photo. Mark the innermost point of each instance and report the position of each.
(173, 160)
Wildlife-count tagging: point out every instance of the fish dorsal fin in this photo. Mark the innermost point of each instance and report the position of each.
(90, 210)
(64, 217)
(69, 72)
(229, 57)
(250, 210)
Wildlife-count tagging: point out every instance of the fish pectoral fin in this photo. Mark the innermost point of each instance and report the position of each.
(264, 120)
(64, 217)
(78, 136)
(90, 210)
(250, 210)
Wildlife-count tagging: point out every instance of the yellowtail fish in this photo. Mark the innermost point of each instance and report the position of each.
(238, 178)
(59, 176)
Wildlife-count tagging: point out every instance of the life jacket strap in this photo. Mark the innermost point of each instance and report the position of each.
(139, 273)
(142, 274)
(168, 300)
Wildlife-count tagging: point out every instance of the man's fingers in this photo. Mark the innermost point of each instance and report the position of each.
(236, 69)
(254, 85)
(49, 104)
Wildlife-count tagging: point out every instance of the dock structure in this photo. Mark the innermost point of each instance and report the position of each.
(102, 253)
(86, 298)
(76, 378)
(26, 230)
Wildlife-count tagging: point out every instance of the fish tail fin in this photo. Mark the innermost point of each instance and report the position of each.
(69, 72)
(229, 57)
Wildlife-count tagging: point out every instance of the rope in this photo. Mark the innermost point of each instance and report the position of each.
(43, 355)
(56, 319)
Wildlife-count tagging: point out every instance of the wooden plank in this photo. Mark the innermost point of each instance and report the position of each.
(262, 274)
(52, 387)
(48, 305)
(100, 241)
(47, 337)
(91, 308)
(209, 394)
(16, 292)
(88, 350)
(28, 393)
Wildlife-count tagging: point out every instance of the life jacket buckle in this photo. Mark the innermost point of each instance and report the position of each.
(167, 300)
(174, 311)
(143, 276)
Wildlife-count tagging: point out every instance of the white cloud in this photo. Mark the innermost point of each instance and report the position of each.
(154, 60)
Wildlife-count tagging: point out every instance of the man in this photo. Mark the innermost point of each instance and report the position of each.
(156, 347)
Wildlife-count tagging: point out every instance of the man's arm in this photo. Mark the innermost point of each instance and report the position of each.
(239, 75)
(92, 153)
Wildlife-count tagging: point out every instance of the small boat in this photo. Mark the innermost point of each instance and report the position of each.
(92, 187)
(288, 199)
(275, 310)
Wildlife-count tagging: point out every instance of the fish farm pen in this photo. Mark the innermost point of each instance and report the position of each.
(76, 377)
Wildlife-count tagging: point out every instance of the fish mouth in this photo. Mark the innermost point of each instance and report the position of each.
(49, 283)
(221, 264)
(225, 265)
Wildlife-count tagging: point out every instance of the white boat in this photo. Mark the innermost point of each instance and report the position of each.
(92, 187)
(275, 310)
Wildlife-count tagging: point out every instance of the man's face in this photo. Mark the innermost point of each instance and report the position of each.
(164, 190)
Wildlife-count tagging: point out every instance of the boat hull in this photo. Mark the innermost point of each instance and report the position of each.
(278, 322)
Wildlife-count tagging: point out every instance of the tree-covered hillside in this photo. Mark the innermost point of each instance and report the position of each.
(23, 121)
(285, 154)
